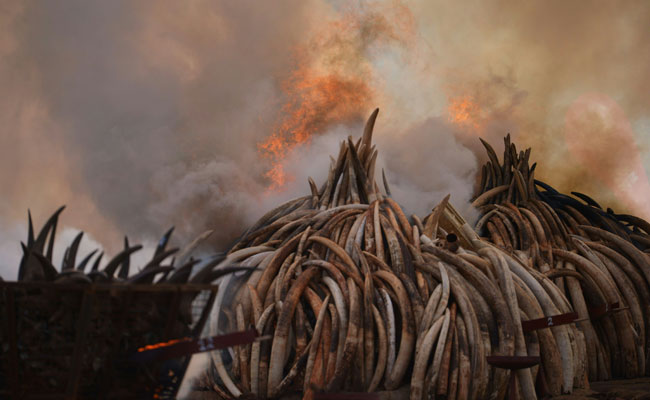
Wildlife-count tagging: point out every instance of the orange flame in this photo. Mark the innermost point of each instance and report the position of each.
(315, 102)
(162, 344)
(329, 85)
(464, 112)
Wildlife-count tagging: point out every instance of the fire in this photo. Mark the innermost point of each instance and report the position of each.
(464, 112)
(330, 84)
(162, 344)
(314, 103)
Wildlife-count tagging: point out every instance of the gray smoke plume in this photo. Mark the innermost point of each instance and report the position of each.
(138, 116)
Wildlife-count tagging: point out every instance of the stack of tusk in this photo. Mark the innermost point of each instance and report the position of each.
(589, 257)
(358, 297)
(355, 296)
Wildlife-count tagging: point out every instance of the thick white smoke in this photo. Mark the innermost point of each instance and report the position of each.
(425, 163)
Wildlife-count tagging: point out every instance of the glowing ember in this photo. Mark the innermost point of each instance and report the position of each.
(162, 344)
(464, 112)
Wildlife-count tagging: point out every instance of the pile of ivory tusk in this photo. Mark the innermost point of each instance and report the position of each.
(594, 257)
(358, 297)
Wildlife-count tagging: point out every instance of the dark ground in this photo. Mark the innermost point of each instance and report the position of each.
(636, 389)
(629, 389)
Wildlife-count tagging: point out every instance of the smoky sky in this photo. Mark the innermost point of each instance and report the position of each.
(143, 115)
(110, 107)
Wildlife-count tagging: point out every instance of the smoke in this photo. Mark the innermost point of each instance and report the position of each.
(426, 163)
(139, 116)
(526, 63)
(597, 119)
(144, 115)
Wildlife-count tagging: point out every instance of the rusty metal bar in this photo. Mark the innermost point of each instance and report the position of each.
(513, 362)
(184, 347)
(599, 311)
(546, 322)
